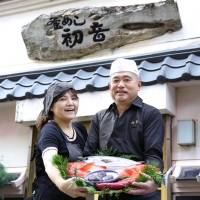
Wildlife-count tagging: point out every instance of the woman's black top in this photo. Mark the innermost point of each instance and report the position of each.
(52, 136)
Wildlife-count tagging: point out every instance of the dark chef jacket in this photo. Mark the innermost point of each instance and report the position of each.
(138, 131)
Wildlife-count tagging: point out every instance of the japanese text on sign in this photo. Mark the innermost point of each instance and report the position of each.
(76, 37)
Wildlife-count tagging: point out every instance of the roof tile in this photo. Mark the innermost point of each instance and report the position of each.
(94, 76)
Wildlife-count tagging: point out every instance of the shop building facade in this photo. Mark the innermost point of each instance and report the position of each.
(169, 67)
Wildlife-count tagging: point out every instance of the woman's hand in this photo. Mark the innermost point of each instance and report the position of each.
(67, 186)
(70, 188)
(143, 188)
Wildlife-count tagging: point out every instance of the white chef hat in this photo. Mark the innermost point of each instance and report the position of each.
(122, 64)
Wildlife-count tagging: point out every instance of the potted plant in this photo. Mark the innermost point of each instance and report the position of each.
(5, 177)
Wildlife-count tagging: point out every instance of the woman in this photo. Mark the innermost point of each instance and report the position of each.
(58, 135)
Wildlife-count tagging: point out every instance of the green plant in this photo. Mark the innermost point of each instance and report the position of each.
(5, 177)
(113, 152)
(61, 163)
(152, 171)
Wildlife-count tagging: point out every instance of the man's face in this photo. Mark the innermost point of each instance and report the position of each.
(124, 87)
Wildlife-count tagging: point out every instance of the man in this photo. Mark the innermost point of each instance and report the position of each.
(128, 125)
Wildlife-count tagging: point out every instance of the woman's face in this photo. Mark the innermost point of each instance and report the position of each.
(65, 107)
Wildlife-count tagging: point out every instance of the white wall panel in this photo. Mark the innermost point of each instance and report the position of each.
(27, 110)
(14, 139)
(14, 56)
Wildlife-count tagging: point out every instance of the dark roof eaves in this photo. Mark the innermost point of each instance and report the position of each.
(91, 65)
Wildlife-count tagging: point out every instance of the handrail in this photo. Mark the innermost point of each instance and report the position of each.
(21, 178)
(198, 178)
(175, 174)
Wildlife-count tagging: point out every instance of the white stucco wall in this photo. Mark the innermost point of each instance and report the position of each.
(14, 56)
(187, 107)
(161, 96)
(14, 138)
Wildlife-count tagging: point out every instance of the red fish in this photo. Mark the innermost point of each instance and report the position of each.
(131, 171)
(82, 168)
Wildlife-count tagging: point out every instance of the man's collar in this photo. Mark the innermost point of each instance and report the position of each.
(136, 102)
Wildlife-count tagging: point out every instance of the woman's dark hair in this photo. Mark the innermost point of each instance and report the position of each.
(44, 119)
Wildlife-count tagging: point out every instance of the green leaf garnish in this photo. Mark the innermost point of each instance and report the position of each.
(151, 170)
(61, 163)
(113, 152)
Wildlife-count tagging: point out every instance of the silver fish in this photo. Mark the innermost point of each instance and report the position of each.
(111, 162)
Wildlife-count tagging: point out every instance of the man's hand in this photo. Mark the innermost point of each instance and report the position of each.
(143, 188)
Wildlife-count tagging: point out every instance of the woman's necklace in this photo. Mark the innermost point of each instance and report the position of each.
(69, 138)
(73, 136)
